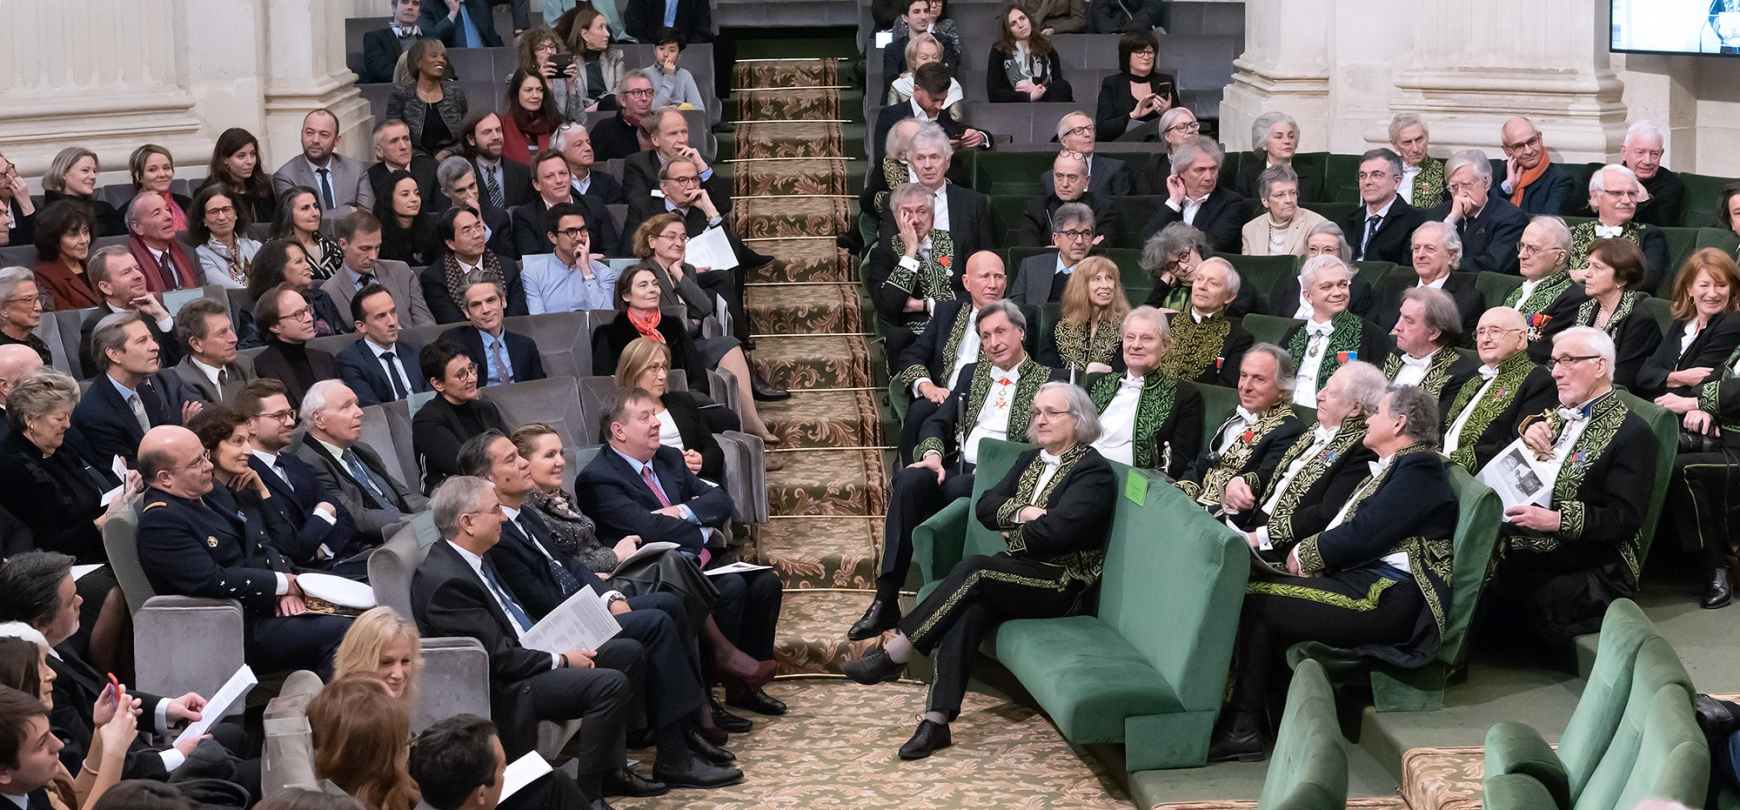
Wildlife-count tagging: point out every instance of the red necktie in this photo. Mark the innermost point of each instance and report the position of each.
(646, 475)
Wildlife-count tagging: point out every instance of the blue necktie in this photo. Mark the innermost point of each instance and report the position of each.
(569, 584)
(514, 612)
(361, 473)
(326, 198)
(398, 385)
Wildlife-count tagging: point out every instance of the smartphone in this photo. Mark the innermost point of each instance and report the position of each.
(561, 61)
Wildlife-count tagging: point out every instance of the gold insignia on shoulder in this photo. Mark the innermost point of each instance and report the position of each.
(211, 541)
(155, 505)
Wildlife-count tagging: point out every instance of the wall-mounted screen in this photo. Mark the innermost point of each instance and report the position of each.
(1677, 26)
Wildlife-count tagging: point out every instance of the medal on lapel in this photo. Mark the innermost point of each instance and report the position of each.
(1249, 435)
(1347, 357)
(1537, 325)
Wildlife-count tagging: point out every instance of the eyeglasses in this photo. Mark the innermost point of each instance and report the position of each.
(1623, 195)
(1188, 126)
(467, 373)
(638, 93)
(1084, 129)
(1050, 413)
(1493, 332)
(299, 314)
(1533, 142)
(1526, 249)
(42, 301)
(280, 416)
(1458, 188)
(571, 233)
(204, 460)
(1569, 359)
(1075, 234)
(691, 180)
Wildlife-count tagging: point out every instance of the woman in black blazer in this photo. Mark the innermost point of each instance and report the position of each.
(454, 415)
(1616, 268)
(1706, 327)
(72, 175)
(1022, 65)
(407, 231)
(1119, 106)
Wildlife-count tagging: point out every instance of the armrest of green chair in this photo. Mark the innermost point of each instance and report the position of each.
(899, 398)
(1514, 748)
(937, 543)
(1514, 790)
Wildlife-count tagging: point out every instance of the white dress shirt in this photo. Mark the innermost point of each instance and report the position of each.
(966, 351)
(1305, 384)
(1407, 189)
(993, 417)
(1235, 427)
(1049, 472)
(939, 203)
(1528, 289)
(1413, 370)
(1118, 421)
(1188, 207)
(476, 564)
(1487, 374)
(513, 514)
(210, 372)
(1319, 442)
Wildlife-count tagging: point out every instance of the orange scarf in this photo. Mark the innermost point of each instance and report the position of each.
(647, 325)
(1529, 176)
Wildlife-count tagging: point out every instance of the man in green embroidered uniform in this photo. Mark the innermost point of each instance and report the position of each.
(1375, 581)
(1482, 419)
(1423, 178)
(1566, 561)
(1549, 296)
(1427, 331)
(1614, 195)
(1054, 509)
(949, 343)
(1250, 443)
(1148, 418)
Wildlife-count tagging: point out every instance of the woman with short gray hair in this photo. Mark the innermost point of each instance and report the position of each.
(1274, 142)
(21, 306)
(1148, 417)
(1283, 229)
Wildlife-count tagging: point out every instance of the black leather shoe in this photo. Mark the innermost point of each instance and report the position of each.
(1239, 739)
(1720, 590)
(757, 701)
(697, 773)
(764, 391)
(880, 617)
(928, 738)
(731, 722)
(1716, 717)
(625, 782)
(874, 666)
(706, 750)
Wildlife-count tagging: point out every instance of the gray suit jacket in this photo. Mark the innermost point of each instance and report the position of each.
(350, 182)
(397, 277)
(1032, 285)
(370, 516)
(241, 373)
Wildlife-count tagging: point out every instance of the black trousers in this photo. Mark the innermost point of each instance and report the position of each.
(980, 592)
(1535, 600)
(748, 611)
(600, 696)
(916, 496)
(1349, 609)
(289, 643)
(895, 339)
(552, 791)
(672, 688)
(1702, 492)
(920, 410)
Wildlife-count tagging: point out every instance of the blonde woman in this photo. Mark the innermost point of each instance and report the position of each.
(384, 644)
(1089, 336)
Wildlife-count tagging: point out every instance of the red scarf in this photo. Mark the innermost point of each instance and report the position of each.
(647, 325)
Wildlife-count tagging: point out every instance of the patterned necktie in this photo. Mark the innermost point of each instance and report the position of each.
(361, 474)
(1371, 226)
(223, 382)
(326, 188)
(647, 476)
(493, 186)
(514, 612)
(139, 412)
(565, 580)
(364, 280)
(502, 375)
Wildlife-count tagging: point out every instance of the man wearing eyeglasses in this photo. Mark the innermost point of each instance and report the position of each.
(625, 133)
(1532, 181)
(1041, 278)
(1069, 172)
(1488, 225)
(1106, 176)
(1564, 562)
(326, 536)
(132, 394)
(1482, 418)
(286, 320)
(1614, 196)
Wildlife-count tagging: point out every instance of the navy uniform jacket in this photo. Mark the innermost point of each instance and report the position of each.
(522, 352)
(205, 548)
(611, 493)
(299, 497)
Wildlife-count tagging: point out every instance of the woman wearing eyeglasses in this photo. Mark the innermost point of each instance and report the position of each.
(21, 308)
(1137, 94)
(1286, 228)
(1177, 125)
(453, 416)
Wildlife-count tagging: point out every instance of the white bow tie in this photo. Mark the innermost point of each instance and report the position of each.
(1324, 435)
(1320, 330)
(1488, 372)
(1245, 416)
(1605, 232)
(1573, 414)
(1131, 382)
(1049, 460)
(1421, 362)
(1377, 467)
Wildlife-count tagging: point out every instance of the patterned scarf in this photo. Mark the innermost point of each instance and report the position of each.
(646, 324)
(234, 263)
(454, 275)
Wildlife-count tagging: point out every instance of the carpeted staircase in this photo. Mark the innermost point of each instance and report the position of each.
(791, 171)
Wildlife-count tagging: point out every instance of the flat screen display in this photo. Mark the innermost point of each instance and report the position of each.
(1677, 26)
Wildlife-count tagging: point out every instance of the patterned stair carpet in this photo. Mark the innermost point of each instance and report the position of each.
(835, 750)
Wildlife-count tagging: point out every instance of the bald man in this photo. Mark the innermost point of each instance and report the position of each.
(1532, 181)
(15, 360)
(194, 541)
(1070, 181)
(1482, 419)
(928, 367)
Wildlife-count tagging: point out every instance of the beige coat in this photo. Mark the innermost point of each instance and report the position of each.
(1256, 234)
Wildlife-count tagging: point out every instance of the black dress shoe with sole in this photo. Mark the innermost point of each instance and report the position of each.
(764, 391)
(1720, 589)
(873, 667)
(708, 751)
(929, 737)
(757, 701)
(1716, 718)
(697, 773)
(625, 782)
(879, 618)
(731, 722)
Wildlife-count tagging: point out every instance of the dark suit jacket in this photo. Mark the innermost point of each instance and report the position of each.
(1034, 229)
(1459, 286)
(611, 493)
(1489, 241)
(1283, 300)
(1393, 241)
(1107, 178)
(516, 185)
(168, 348)
(1636, 338)
(241, 373)
(180, 558)
(895, 113)
(422, 168)
(1264, 458)
(614, 138)
(23, 227)
(643, 18)
(944, 424)
(1548, 195)
(525, 571)
(381, 51)
(189, 273)
(370, 514)
(695, 222)
(640, 175)
(522, 352)
(436, 24)
(1710, 349)
(692, 427)
(1178, 437)
(604, 186)
(108, 423)
(1251, 168)
(969, 222)
(531, 232)
(609, 341)
(1667, 201)
(1032, 286)
(298, 499)
(272, 363)
(361, 370)
(439, 429)
(433, 280)
(56, 497)
(1221, 218)
(1116, 102)
(77, 685)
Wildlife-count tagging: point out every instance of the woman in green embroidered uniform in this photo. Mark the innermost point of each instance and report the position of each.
(1054, 509)
(1087, 338)
(1375, 581)
(1148, 418)
(1615, 270)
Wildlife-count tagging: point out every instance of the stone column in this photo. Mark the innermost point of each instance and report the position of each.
(304, 69)
(1475, 63)
(1286, 66)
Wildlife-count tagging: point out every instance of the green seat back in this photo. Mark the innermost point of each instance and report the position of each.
(1269, 328)
(1218, 403)
(1703, 198)
(1374, 273)
(1660, 690)
(1494, 287)
(1133, 214)
(1338, 210)
(995, 459)
(1309, 766)
(1673, 758)
(1260, 273)
(1681, 242)
(1660, 310)
(1624, 630)
(1229, 168)
(1308, 163)
(1666, 427)
(1577, 202)
(1478, 510)
(1340, 182)
(1011, 173)
(1006, 214)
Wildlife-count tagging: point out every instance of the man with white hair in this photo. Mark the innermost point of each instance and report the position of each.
(1488, 224)
(1615, 196)
(393, 153)
(575, 144)
(1195, 197)
(1249, 445)
(1642, 154)
(963, 212)
(1427, 332)
(1208, 346)
(1436, 249)
(348, 467)
(950, 342)
(1532, 181)
(1423, 177)
(162, 256)
(895, 169)
(1566, 561)
(1070, 184)
(1333, 336)
(1482, 418)
(927, 231)
(1107, 177)
(1148, 418)
(1548, 298)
